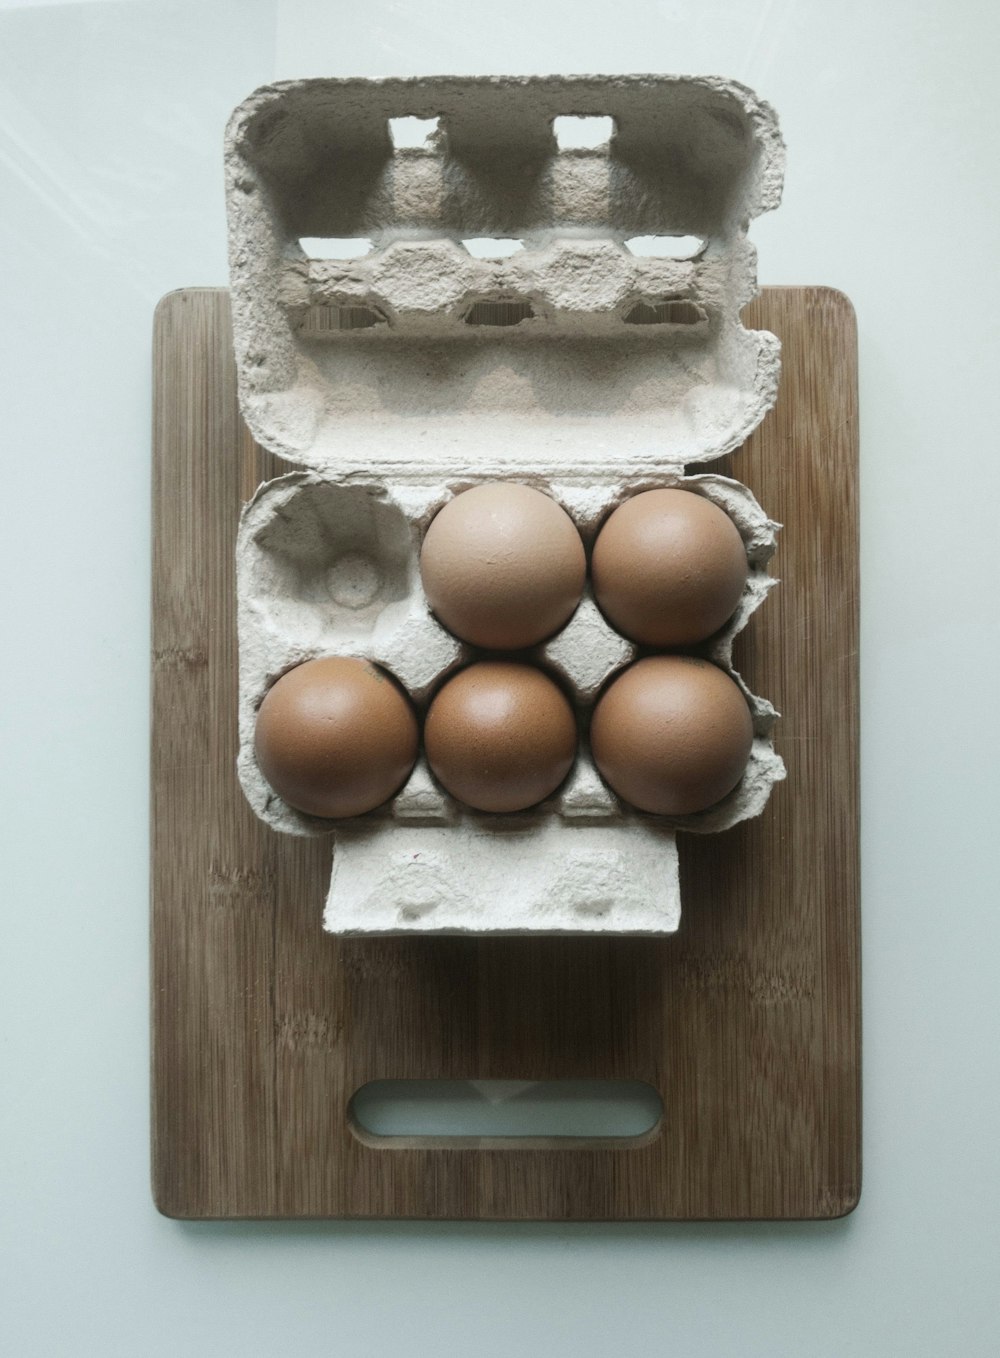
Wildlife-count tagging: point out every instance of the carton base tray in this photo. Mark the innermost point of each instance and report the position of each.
(747, 1021)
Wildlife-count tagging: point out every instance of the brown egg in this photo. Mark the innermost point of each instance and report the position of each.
(500, 736)
(336, 737)
(668, 568)
(503, 566)
(672, 735)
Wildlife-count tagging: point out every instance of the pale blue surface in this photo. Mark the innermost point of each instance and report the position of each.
(507, 1108)
(110, 128)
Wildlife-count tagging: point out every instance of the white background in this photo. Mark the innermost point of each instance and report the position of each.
(111, 118)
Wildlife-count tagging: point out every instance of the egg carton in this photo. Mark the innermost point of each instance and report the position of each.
(400, 378)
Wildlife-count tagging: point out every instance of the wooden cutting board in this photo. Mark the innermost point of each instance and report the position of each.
(747, 1022)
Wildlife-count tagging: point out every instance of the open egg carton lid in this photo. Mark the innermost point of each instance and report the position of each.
(501, 275)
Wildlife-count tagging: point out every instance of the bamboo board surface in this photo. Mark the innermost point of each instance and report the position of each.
(747, 1022)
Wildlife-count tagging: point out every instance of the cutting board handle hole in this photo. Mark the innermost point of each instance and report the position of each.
(515, 1112)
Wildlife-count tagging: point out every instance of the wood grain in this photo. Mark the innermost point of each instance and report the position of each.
(748, 1022)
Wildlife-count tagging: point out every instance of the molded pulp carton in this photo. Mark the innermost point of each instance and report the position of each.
(499, 326)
